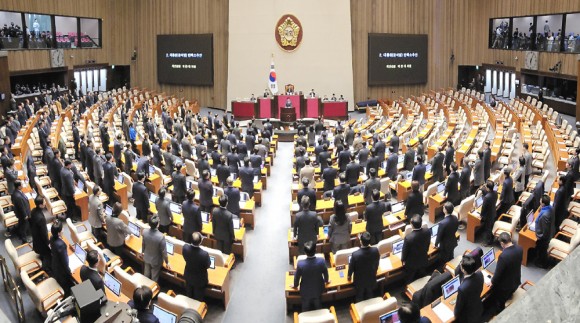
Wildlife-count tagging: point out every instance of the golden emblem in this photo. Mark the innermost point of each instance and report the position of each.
(288, 32)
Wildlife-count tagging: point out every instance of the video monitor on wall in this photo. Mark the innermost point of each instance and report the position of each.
(66, 32)
(523, 33)
(90, 35)
(549, 33)
(38, 30)
(185, 59)
(396, 59)
(572, 37)
(11, 30)
(499, 33)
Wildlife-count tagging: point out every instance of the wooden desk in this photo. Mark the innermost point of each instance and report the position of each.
(473, 223)
(155, 183)
(122, 194)
(82, 201)
(122, 298)
(527, 240)
(435, 206)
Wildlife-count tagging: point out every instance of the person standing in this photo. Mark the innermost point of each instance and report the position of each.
(109, 174)
(488, 211)
(486, 160)
(449, 156)
(91, 272)
(528, 159)
(40, 243)
(363, 265)
(519, 179)
(507, 198)
(305, 225)
(96, 214)
(223, 226)
(465, 180)
(437, 165)
(117, 230)
(478, 174)
(234, 197)
(544, 231)
(561, 202)
(371, 184)
(163, 211)
(191, 216)
(419, 173)
(339, 228)
(60, 269)
(197, 263)
(22, 211)
(446, 241)
(452, 186)
(311, 275)
(306, 190)
(374, 217)
(141, 198)
(68, 191)
(205, 192)
(154, 250)
(414, 204)
(468, 307)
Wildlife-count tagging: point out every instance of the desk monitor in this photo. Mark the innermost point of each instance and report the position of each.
(178, 161)
(434, 230)
(108, 210)
(212, 171)
(256, 178)
(451, 287)
(243, 197)
(112, 284)
(169, 247)
(204, 217)
(135, 230)
(81, 186)
(80, 253)
(495, 187)
(398, 246)
(391, 317)
(397, 207)
(401, 159)
(441, 188)
(236, 222)
(212, 262)
(234, 176)
(530, 218)
(120, 178)
(488, 258)
(151, 170)
(428, 168)
(152, 197)
(163, 315)
(215, 191)
(479, 202)
(189, 184)
(409, 176)
(175, 208)
(325, 229)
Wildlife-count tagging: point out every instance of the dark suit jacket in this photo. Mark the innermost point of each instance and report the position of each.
(415, 249)
(432, 290)
(140, 196)
(306, 227)
(437, 167)
(196, 264)
(322, 157)
(419, 173)
(374, 216)
(39, 232)
(143, 167)
(452, 189)
(233, 195)
(205, 193)
(311, 195)
(67, 182)
(486, 163)
(109, 175)
(223, 172)
(373, 162)
(391, 170)
(395, 143)
(223, 225)
(311, 275)
(247, 179)
(60, 270)
(329, 176)
(446, 240)
(560, 205)
(352, 173)
(449, 156)
(191, 218)
(343, 159)
(488, 210)
(117, 150)
(179, 184)
(414, 204)
(409, 161)
(507, 191)
(469, 307)
(128, 166)
(340, 192)
(93, 276)
(545, 228)
(508, 274)
(464, 180)
(364, 264)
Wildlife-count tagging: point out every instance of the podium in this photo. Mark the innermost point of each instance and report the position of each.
(288, 115)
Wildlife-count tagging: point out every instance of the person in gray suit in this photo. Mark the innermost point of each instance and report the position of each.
(223, 226)
(169, 160)
(519, 178)
(306, 225)
(117, 230)
(528, 159)
(11, 175)
(179, 185)
(186, 150)
(68, 191)
(163, 211)
(478, 179)
(153, 250)
(96, 214)
(373, 183)
(98, 163)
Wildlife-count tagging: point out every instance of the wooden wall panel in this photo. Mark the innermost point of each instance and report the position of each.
(154, 17)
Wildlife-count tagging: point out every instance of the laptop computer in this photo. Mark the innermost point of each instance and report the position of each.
(428, 168)
(215, 191)
(212, 171)
(236, 222)
(212, 262)
(112, 284)
(390, 317)
(400, 159)
(169, 247)
(489, 264)
(79, 188)
(108, 210)
(451, 287)
(175, 208)
(134, 229)
(478, 202)
(398, 247)
(397, 207)
(409, 176)
(325, 230)
(434, 230)
(204, 217)
(256, 178)
(152, 197)
(441, 188)
(163, 315)
(530, 219)
(120, 178)
(151, 170)
(77, 259)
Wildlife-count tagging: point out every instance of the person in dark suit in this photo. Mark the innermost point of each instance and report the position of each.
(363, 155)
(373, 183)
(118, 150)
(395, 141)
(141, 301)
(54, 166)
(247, 177)
(468, 307)
(129, 156)
(68, 191)
(507, 198)
(306, 225)
(373, 161)
(561, 202)
(222, 171)
(507, 276)
(191, 216)
(486, 160)
(40, 243)
(179, 185)
(392, 161)
(91, 273)
(380, 149)
(205, 192)
(409, 160)
(343, 158)
(143, 166)
(141, 197)
(60, 269)
(437, 166)
(21, 210)
(233, 195)
(478, 172)
(452, 186)
(415, 247)
(306, 191)
(324, 158)
(446, 240)
(109, 174)
(465, 180)
(414, 204)
(364, 264)
(311, 275)
(223, 226)
(329, 175)
(545, 230)
(488, 211)
(419, 173)
(341, 191)
(374, 217)
(197, 263)
(353, 171)
(449, 156)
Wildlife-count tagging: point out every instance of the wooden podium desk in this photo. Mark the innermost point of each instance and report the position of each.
(122, 194)
(82, 201)
(436, 202)
(527, 239)
(155, 183)
(287, 115)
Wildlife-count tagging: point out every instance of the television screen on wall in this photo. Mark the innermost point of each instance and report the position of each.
(185, 59)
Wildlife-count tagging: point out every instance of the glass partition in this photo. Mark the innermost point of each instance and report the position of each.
(66, 32)
(90, 36)
(11, 34)
(38, 30)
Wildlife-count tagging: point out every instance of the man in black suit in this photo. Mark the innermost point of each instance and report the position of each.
(486, 160)
(311, 275)
(233, 195)
(21, 210)
(324, 158)
(373, 161)
(353, 171)
(305, 225)
(507, 198)
(415, 248)
(247, 177)
(419, 173)
(329, 175)
(197, 263)
(545, 230)
(222, 171)
(449, 156)
(488, 211)
(109, 174)
(141, 302)
(561, 202)
(392, 161)
(446, 240)
(468, 307)
(363, 155)
(341, 191)
(60, 269)
(395, 141)
(343, 158)
(380, 149)
(118, 150)
(223, 226)
(306, 191)
(191, 216)
(437, 166)
(364, 264)
(141, 198)
(91, 272)
(179, 185)
(414, 204)
(507, 276)
(374, 217)
(452, 186)
(143, 166)
(40, 233)
(409, 160)
(465, 179)
(205, 192)
(68, 191)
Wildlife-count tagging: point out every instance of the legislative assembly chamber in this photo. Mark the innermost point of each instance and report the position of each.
(289, 161)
